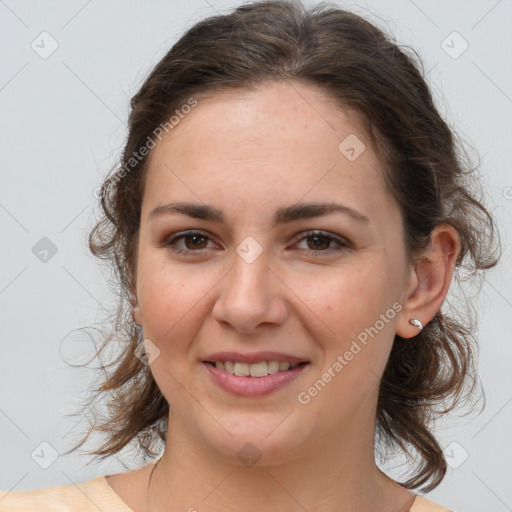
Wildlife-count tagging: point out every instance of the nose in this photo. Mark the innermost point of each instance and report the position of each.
(250, 296)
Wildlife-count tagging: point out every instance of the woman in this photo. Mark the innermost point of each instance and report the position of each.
(286, 221)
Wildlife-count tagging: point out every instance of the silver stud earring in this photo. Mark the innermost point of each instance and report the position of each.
(416, 323)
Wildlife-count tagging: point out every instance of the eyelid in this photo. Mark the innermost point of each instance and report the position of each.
(342, 242)
(181, 234)
(326, 234)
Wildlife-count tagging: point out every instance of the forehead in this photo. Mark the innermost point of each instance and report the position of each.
(278, 142)
(269, 112)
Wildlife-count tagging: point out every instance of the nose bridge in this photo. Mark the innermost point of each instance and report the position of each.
(249, 295)
(250, 270)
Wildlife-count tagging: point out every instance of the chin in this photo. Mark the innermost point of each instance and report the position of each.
(251, 440)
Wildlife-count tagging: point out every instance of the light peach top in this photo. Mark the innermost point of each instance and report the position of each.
(96, 494)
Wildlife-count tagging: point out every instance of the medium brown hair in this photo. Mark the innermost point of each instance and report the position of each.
(425, 167)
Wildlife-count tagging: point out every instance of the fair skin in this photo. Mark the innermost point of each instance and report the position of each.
(248, 153)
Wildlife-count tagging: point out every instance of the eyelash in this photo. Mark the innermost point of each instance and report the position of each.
(343, 244)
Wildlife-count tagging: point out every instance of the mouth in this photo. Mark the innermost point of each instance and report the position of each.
(258, 370)
(253, 379)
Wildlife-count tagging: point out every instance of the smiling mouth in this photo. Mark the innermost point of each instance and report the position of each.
(260, 369)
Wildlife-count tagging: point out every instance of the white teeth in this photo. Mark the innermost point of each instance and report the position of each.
(261, 369)
(273, 366)
(258, 369)
(242, 369)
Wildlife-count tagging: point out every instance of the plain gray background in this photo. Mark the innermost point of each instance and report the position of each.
(62, 127)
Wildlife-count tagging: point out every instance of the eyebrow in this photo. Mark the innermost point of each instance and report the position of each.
(283, 215)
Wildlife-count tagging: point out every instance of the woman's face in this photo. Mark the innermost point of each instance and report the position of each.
(259, 281)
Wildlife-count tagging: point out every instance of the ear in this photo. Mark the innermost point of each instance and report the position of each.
(137, 315)
(429, 280)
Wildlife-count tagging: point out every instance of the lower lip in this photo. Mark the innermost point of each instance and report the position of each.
(253, 386)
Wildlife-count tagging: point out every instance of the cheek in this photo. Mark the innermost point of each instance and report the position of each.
(355, 306)
(346, 299)
(170, 299)
(365, 327)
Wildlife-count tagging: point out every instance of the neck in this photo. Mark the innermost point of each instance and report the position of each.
(334, 473)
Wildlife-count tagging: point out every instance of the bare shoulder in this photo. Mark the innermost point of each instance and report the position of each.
(49, 499)
(131, 486)
(422, 504)
(123, 492)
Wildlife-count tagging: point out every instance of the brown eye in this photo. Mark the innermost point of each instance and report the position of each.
(191, 241)
(320, 243)
(196, 241)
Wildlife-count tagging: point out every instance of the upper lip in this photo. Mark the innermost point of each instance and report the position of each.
(255, 357)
